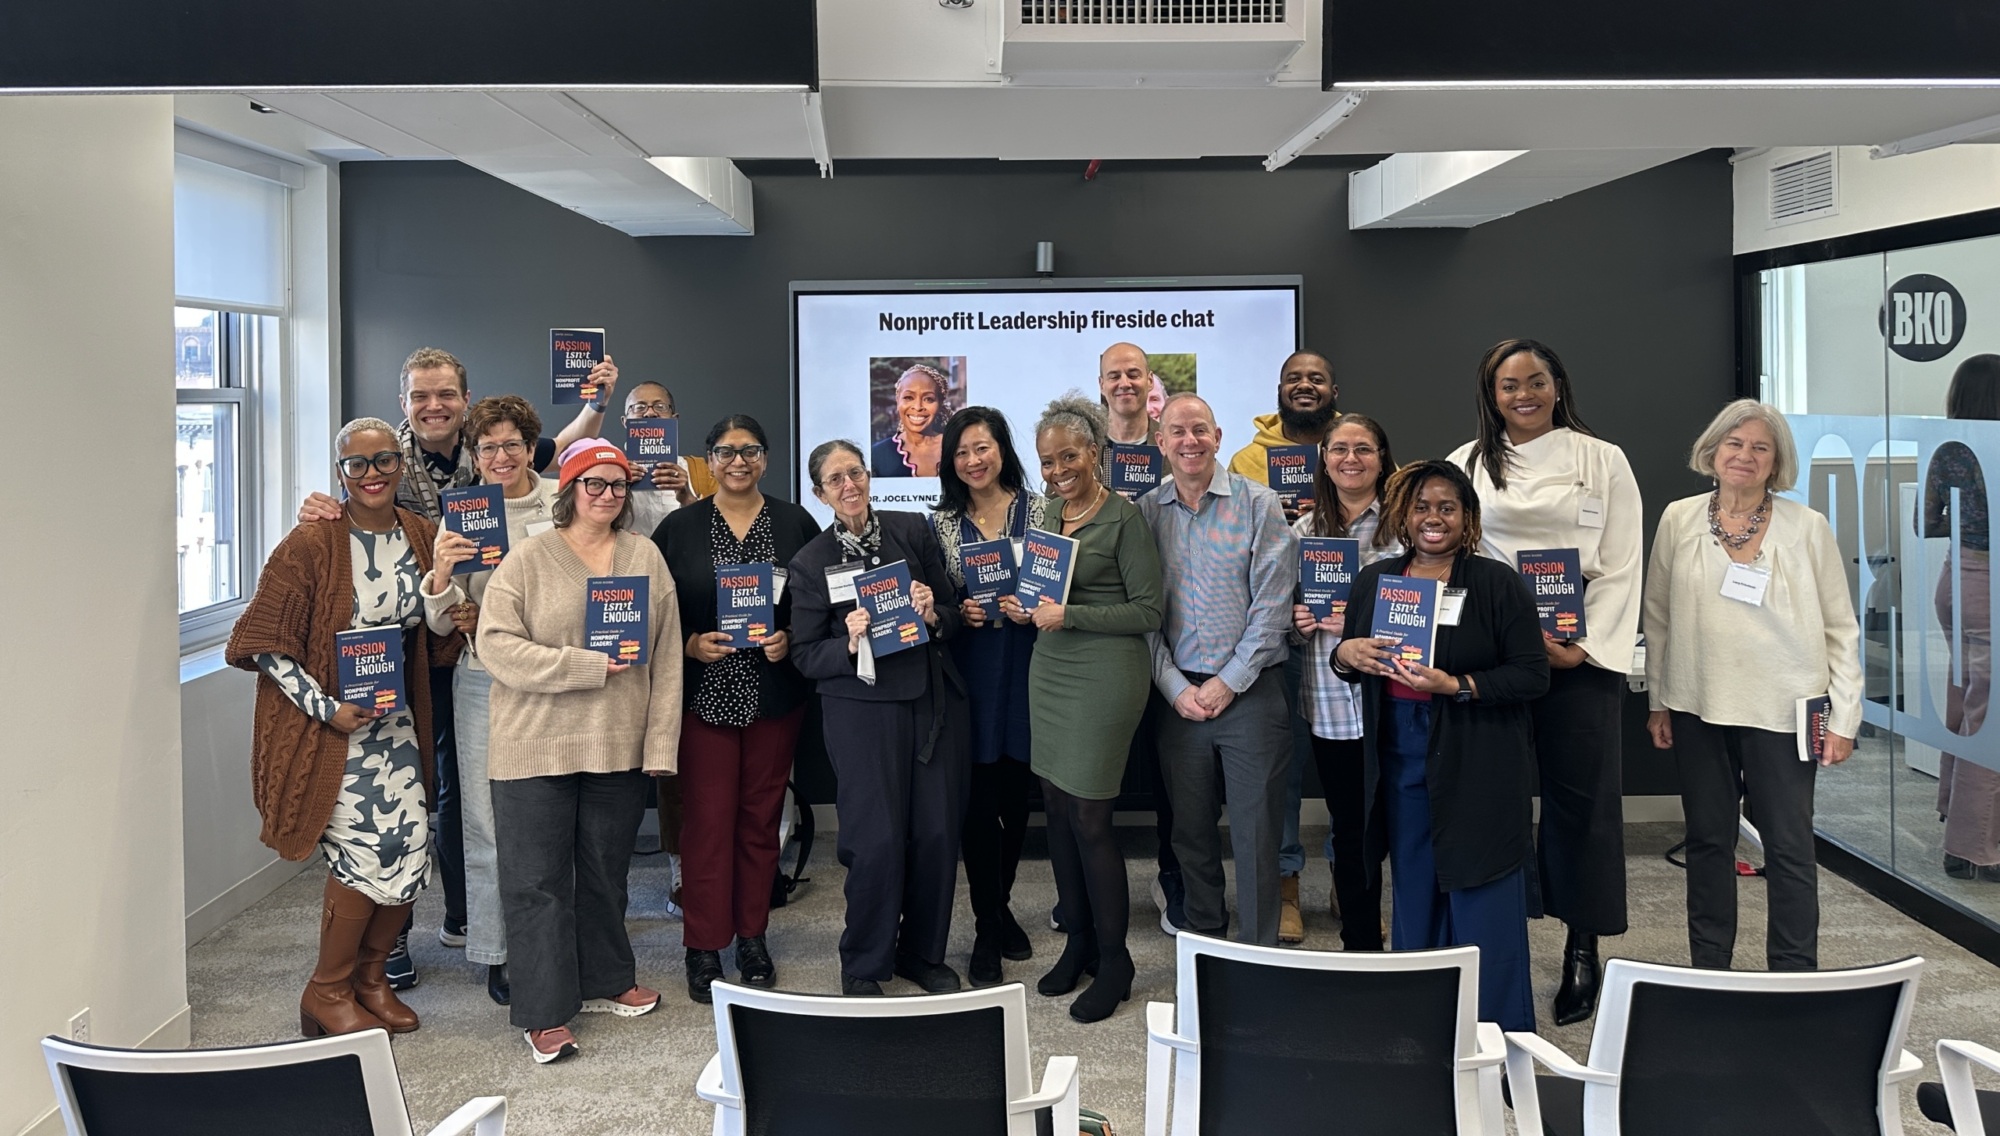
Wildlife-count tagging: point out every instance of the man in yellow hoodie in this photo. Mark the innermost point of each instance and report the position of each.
(1307, 405)
(1306, 408)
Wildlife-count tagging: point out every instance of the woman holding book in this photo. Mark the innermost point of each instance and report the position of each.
(348, 781)
(983, 497)
(1749, 614)
(1447, 744)
(1548, 484)
(1087, 688)
(1354, 468)
(742, 708)
(896, 729)
(573, 734)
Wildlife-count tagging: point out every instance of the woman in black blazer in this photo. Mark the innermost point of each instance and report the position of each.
(742, 714)
(899, 740)
(1449, 749)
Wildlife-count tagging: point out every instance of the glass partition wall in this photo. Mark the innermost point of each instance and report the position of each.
(1887, 365)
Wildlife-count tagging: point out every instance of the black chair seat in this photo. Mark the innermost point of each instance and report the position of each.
(1931, 1102)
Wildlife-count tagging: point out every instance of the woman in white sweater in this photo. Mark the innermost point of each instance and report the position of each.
(1748, 611)
(1546, 482)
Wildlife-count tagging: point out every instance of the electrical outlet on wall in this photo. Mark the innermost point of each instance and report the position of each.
(79, 1026)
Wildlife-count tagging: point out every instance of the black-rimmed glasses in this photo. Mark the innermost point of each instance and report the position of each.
(595, 486)
(388, 461)
(723, 455)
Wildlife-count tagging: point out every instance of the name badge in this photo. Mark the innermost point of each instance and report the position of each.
(537, 528)
(1450, 606)
(1590, 512)
(1745, 583)
(1019, 546)
(778, 578)
(840, 582)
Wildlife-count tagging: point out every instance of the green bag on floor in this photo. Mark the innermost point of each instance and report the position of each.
(1093, 1123)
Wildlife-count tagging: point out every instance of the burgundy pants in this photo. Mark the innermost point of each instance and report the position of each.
(732, 790)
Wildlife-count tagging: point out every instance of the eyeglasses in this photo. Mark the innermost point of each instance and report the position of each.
(513, 448)
(1342, 450)
(836, 480)
(595, 486)
(388, 461)
(723, 455)
(656, 409)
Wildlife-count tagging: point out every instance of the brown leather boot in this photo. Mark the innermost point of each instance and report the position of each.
(371, 986)
(328, 1005)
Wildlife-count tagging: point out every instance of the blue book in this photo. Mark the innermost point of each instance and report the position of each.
(745, 603)
(1289, 472)
(371, 668)
(1135, 469)
(989, 574)
(1406, 610)
(614, 617)
(573, 351)
(1555, 575)
(479, 514)
(1048, 560)
(1326, 573)
(893, 622)
(650, 442)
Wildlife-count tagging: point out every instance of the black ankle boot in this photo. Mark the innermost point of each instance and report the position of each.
(497, 987)
(1112, 985)
(985, 968)
(1079, 958)
(1577, 997)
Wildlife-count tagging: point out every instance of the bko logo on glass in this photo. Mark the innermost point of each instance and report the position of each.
(1923, 317)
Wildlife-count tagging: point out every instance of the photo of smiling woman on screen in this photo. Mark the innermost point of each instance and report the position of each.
(909, 402)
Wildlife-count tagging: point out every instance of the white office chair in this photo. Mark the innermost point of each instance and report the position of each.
(832, 1066)
(346, 1083)
(1271, 1040)
(1957, 1104)
(1678, 1050)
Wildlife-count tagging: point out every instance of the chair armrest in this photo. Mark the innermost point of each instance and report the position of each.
(483, 1116)
(1160, 1028)
(1523, 1050)
(709, 1085)
(1955, 1062)
(1061, 1094)
(1908, 1065)
(1489, 1047)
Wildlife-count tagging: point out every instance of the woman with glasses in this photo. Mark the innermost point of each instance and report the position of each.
(741, 712)
(1547, 482)
(503, 433)
(982, 497)
(1354, 469)
(573, 735)
(915, 446)
(896, 730)
(349, 781)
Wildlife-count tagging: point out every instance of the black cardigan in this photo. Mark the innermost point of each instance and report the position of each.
(819, 628)
(1481, 769)
(684, 541)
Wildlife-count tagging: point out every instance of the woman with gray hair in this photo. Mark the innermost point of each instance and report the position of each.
(1747, 614)
(1087, 687)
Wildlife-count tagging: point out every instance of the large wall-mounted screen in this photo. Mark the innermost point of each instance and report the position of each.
(868, 358)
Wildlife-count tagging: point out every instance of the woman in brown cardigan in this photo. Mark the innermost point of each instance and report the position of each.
(349, 781)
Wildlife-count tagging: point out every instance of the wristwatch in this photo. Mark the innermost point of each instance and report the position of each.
(1464, 690)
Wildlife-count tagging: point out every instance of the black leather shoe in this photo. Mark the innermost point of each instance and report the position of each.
(934, 977)
(1112, 985)
(497, 987)
(704, 969)
(753, 963)
(1079, 958)
(854, 987)
(1014, 944)
(1576, 999)
(985, 968)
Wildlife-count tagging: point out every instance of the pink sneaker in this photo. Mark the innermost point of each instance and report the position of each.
(551, 1044)
(630, 1004)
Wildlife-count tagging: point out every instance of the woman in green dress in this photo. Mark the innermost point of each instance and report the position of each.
(1087, 687)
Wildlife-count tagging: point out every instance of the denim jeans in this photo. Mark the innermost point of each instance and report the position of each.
(485, 925)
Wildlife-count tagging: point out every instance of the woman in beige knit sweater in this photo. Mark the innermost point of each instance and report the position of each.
(573, 735)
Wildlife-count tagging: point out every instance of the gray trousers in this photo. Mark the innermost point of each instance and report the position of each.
(565, 848)
(1247, 753)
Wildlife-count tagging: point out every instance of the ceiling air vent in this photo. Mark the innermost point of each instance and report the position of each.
(1803, 188)
(1099, 12)
(1149, 43)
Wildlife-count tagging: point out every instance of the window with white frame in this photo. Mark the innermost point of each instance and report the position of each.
(231, 302)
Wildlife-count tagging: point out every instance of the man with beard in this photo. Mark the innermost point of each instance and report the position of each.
(1307, 406)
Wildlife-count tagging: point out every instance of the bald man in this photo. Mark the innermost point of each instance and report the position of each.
(1125, 385)
(1230, 563)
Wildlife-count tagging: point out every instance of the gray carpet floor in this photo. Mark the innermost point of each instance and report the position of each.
(637, 1075)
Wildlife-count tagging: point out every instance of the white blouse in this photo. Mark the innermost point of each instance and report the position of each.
(1730, 663)
(1548, 484)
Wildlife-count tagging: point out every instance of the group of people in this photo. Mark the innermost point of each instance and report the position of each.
(1181, 662)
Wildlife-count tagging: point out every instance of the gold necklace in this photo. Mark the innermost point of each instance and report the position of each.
(1094, 501)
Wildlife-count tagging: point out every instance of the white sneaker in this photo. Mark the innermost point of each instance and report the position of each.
(674, 889)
